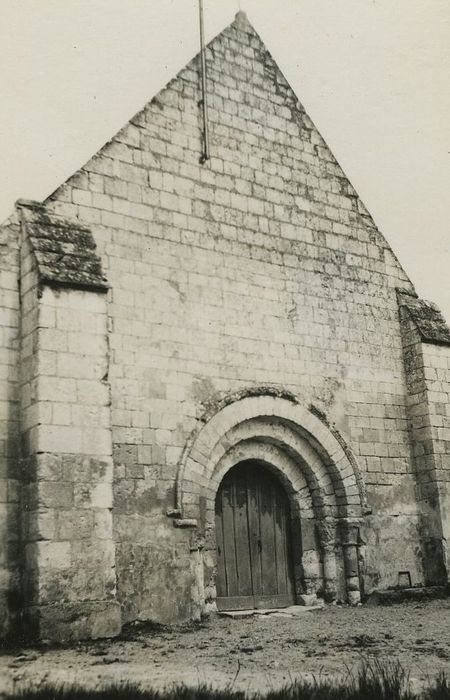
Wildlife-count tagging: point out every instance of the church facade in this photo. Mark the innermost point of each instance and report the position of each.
(219, 389)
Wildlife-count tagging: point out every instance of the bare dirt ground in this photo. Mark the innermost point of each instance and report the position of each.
(262, 652)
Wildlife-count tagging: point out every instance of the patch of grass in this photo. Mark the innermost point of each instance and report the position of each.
(374, 681)
(440, 690)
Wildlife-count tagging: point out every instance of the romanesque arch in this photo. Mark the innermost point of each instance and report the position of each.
(316, 468)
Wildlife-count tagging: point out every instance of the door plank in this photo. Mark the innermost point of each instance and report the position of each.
(273, 601)
(236, 603)
(242, 544)
(229, 539)
(280, 545)
(267, 538)
(221, 567)
(254, 530)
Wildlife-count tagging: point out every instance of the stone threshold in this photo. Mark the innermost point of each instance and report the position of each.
(290, 611)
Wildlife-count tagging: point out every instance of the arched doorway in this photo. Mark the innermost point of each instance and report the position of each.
(253, 535)
(319, 475)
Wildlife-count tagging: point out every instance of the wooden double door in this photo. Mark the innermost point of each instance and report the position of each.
(253, 541)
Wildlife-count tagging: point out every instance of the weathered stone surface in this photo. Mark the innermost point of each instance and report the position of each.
(64, 250)
(69, 579)
(426, 354)
(255, 279)
(391, 597)
(71, 622)
(9, 425)
(427, 318)
(307, 600)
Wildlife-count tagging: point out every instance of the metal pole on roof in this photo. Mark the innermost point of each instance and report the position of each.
(205, 155)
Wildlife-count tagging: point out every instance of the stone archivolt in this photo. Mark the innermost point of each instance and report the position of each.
(327, 504)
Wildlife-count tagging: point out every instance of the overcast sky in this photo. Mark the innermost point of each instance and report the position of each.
(374, 76)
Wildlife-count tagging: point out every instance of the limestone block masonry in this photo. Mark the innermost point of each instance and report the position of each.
(165, 320)
(69, 581)
(426, 348)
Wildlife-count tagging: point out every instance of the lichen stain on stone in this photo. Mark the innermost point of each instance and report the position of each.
(99, 469)
(143, 499)
(202, 390)
(427, 318)
(327, 392)
(176, 286)
(63, 250)
(154, 583)
(397, 498)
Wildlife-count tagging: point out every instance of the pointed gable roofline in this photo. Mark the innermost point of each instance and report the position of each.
(163, 97)
(240, 34)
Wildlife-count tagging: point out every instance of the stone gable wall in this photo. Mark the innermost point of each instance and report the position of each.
(261, 266)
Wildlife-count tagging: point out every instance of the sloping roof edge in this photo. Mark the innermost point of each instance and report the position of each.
(427, 318)
(242, 23)
(64, 250)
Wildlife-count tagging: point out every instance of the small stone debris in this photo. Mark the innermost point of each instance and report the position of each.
(17, 661)
(251, 649)
(111, 660)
